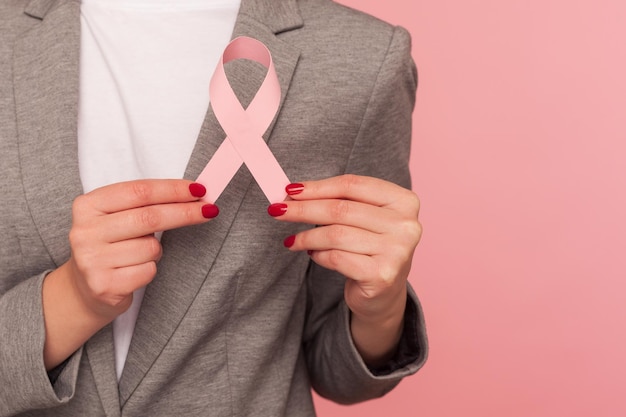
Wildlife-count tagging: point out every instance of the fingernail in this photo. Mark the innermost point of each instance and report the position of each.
(197, 189)
(277, 209)
(309, 252)
(295, 188)
(289, 241)
(210, 211)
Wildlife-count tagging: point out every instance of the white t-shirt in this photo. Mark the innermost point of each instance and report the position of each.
(145, 67)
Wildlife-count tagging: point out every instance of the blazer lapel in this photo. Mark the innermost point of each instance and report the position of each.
(46, 95)
(189, 253)
(46, 77)
(101, 355)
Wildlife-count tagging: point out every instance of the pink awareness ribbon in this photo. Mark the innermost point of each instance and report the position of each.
(244, 127)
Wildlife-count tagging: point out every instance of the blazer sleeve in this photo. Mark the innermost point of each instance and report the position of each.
(381, 150)
(25, 383)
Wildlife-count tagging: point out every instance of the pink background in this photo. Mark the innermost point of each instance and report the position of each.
(519, 159)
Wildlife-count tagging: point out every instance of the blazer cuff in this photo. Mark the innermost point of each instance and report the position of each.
(412, 347)
(360, 382)
(24, 379)
(63, 377)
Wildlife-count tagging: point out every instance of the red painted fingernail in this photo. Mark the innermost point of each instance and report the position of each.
(197, 189)
(295, 188)
(289, 241)
(309, 252)
(277, 209)
(210, 211)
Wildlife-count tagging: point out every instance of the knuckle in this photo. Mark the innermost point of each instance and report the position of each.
(140, 275)
(414, 201)
(298, 209)
(86, 261)
(189, 213)
(387, 275)
(141, 191)
(335, 235)
(150, 270)
(403, 256)
(149, 218)
(99, 288)
(179, 191)
(340, 210)
(398, 252)
(79, 206)
(76, 237)
(417, 232)
(349, 182)
(335, 259)
(155, 250)
(83, 247)
(412, 230)
(82, 267)
(410, 204)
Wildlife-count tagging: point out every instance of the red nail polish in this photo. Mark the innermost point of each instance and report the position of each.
(277, 209)
(309, 252)
(197, 189)
(210, 211)
(289, 241)
(295, 188)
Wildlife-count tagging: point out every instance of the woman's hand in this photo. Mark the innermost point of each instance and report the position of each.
(113, 253)
(368, 232)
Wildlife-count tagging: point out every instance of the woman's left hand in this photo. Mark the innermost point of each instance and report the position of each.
(368, 231)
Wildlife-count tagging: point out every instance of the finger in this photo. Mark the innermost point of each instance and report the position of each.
(369, 277)
(92, 259)
(130, 278)
(343, 212)
(143, 221)
(354, 266)
(368, 190)
(114, 285)
(345, 238)
(133, 251)
(140, 193)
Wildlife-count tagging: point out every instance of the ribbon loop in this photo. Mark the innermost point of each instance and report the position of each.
(244, 127)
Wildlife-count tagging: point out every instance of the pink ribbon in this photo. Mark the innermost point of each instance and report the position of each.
(244, 127)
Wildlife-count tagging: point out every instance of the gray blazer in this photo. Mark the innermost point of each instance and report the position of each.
(233, 324)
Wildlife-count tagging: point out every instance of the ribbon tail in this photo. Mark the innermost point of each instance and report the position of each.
(219, 171)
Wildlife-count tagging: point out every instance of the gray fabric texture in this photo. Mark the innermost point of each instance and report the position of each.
(233, 324)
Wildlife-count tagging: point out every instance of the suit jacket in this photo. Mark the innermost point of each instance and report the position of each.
(233, 324)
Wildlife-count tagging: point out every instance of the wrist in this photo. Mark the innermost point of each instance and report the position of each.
(376, 338)
(381, 313)
(68, 321)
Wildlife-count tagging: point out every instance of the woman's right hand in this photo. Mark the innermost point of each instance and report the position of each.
(113, 253)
